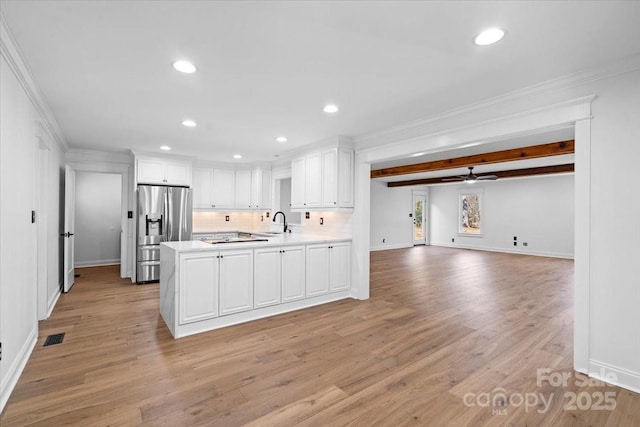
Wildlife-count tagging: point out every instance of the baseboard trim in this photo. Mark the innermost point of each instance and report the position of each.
(54, 300)
(102, 263)
(507, 251)
(9, 381)
(614, 375)
(386, 247)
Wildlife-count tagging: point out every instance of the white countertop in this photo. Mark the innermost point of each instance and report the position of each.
(287, 239)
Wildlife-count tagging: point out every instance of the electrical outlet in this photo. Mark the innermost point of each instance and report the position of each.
(515, 238)
(515, 243)
(267, 213)
(525, 244)
(307, 215)
(226, 218)
(321, 221)
(384, 240)
(453, 240)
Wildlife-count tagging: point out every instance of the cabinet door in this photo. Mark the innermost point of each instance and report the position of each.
(293, 273)
(256, 188)
(266, 190)
(345, 178)
(243, 189)
(317, 274)
(297, 183)
(313, 180)
(224, 184)
(177, 173)
(339, 266)
(266, 277)
(198, 287)
(330, 178)
(150, 171)
(236, 281)
(202, 188)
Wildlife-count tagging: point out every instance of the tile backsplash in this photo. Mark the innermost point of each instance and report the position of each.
(333, 222)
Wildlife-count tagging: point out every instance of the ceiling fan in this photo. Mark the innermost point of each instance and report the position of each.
(470, 178)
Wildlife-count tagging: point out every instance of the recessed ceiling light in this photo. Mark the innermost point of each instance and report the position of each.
(237, 156)
(418, 154)
(165, 147)
(489, 36)
(281, 139)
(189, 123)
(184, 66)
(330, 108)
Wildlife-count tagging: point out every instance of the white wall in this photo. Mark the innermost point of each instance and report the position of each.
(98, 212)
(19, 181)
(537, 210)
(390, 221)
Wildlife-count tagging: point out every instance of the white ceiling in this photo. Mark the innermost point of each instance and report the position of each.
(266, 69)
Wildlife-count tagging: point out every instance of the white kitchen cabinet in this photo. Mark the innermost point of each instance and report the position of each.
(313, 180)
(236, 281)
(317, 271)
(224, 184)
(323, 180)
(260, 189)
(339, 266)
(328, 268)
(267, 276)
(243, 189)
(278, 275)
(198, 287)
(163, 171)
(202, 188)
(293, 273)
(298, 182)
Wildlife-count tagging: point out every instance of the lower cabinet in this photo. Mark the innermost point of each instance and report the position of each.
(236, 281)
(198, 288)
(214, 284)
(278, 275)
(328, 268)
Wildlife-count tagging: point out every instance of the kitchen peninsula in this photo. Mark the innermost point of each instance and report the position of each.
(205, 286)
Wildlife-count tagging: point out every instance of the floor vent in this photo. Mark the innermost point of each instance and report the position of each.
(54, 339)
(76, 275)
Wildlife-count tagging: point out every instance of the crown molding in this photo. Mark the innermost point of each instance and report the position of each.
(11, 53)
(426, 125)
(102, 157)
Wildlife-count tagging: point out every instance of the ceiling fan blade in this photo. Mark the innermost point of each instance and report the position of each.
(487, 177)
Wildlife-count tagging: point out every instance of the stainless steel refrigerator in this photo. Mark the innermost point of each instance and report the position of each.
(164, 215)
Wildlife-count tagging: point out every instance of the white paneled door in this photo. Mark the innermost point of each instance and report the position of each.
(69, 226)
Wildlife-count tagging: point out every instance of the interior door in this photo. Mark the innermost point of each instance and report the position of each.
(419, 229)
(69, 226)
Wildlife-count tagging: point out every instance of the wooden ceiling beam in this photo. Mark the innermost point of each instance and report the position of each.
(514, 173)
(532, 152)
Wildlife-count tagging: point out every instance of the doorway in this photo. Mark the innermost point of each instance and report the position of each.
(98, 210)
(419, 229)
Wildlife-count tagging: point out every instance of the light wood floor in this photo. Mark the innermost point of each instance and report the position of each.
(441, 325)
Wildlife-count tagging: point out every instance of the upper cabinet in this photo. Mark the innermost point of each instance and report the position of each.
(162, 171)
(227, 189)
(260, 189)
(323, 180)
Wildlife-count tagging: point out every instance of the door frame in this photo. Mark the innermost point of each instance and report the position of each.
(424, 194)
(126, 225)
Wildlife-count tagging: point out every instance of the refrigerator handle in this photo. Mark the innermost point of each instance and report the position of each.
(166, 206)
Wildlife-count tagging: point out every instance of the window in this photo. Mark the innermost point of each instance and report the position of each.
(470, 213)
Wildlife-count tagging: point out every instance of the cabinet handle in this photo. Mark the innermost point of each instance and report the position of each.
(213, 206)
(335, 203)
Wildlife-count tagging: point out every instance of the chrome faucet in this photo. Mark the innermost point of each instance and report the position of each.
(284, 219)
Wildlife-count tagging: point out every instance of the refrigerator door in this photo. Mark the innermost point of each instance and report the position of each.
(179, 214)
(152, 214)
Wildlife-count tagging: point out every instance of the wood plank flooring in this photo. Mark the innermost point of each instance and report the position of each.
(442, 327)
